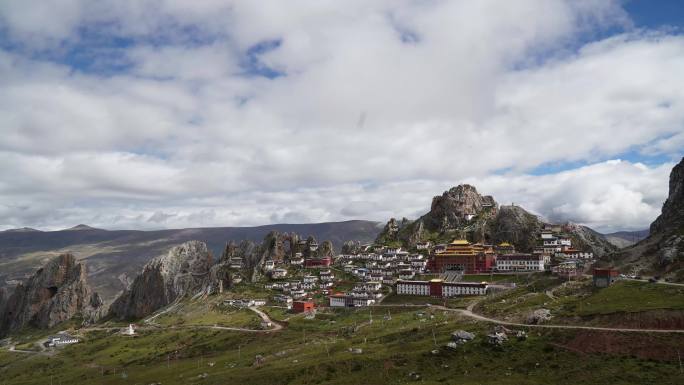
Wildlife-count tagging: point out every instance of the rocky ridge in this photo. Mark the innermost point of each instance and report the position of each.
(55, 293)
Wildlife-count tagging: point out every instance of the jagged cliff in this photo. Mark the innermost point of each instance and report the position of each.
(55, 293)
(184, 270)
(662, 252)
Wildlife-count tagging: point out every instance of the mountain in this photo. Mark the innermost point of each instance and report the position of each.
(81, 227)
(662, 252)
(21, 230)
(115, 257)
(624, 239)
(55, 293)
(461, 212)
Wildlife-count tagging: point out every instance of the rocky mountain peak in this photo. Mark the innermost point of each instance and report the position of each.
(456, 206)
(54, 294)
(672, 216)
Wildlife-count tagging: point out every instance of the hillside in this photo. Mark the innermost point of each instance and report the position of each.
(116, 257)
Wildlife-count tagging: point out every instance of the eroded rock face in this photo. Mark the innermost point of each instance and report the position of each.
(55, 293)
(184, 270)
(672, 216)
(662, 252)
(515, 225)
(351, 247)
(452, 208)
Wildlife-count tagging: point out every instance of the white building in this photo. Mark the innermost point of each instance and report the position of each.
(342, 300)
(278, 273)
(576, 254)
(439, 288)
(269, 265)
(413, 288)
(310, 279)
(521, 262)
(61, 340)
(368, 286)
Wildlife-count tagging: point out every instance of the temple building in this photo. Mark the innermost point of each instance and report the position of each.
(470, 258)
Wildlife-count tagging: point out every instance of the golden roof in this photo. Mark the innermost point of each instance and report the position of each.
(460, 242)
(504, 244)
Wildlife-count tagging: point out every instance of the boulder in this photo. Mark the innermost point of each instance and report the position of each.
(462, 336)
(539, 316)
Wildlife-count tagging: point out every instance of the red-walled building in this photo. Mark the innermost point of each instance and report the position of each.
(605, 277)
(313, 263)
(302, 306)
(464, 256)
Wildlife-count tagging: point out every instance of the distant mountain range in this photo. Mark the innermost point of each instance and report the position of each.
(623, 239)
(116, 257)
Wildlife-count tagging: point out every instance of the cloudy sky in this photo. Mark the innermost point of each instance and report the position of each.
(163, 114)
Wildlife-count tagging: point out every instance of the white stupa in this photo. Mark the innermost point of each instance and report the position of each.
(130, 331)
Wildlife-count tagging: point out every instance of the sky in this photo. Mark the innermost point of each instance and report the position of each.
(148, 114)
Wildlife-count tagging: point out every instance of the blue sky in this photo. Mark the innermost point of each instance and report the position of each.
(156, 114)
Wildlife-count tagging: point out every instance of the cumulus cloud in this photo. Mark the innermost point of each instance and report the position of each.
(165, 114)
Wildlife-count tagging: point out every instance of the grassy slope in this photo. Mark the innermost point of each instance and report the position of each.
(316, 352)
(624, 297)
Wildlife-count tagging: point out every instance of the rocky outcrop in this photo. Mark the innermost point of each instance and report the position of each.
(55, 293)
(351, 247)
(184, 270)
(515, 225)
(325, 249)
(3, 301)
(454, 207)
(671, 218)
(662, 252)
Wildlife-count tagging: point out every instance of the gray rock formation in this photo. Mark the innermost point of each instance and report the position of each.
(3, 301)
(515, 225)
(539, 316)
(662, 252)
(184, 270)
(462, 336)
(55, 293)
(351, 247)
(452, 208)
(672, 215)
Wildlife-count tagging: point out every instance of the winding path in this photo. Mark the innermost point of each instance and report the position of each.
(469, 313)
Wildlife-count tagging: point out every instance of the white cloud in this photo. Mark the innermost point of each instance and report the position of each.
(381, 106)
